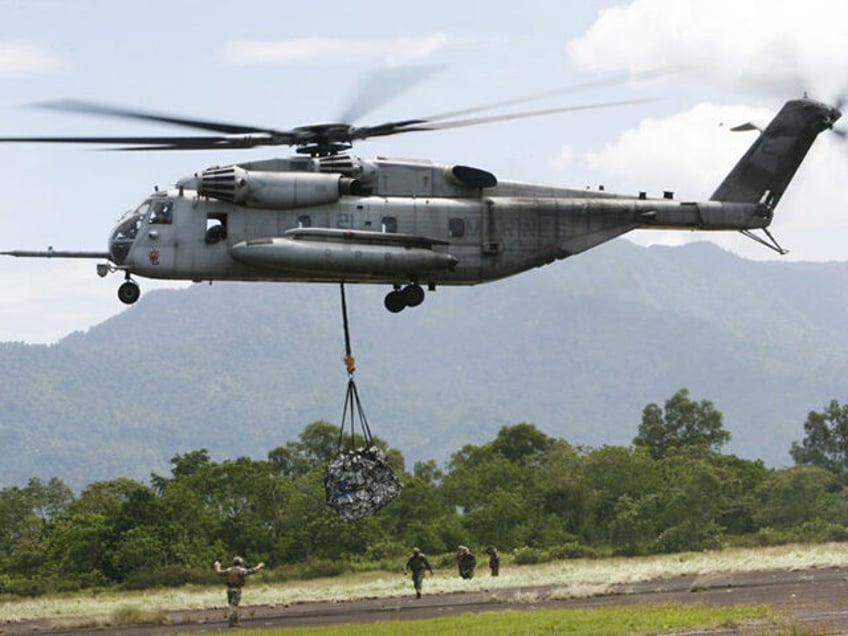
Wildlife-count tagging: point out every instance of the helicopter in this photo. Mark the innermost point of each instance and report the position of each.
(326, 215)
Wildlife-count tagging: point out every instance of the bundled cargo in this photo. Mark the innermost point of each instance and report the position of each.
(359, 482)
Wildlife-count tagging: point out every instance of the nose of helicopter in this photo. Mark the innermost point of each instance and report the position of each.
(118, 250)
(122, 237)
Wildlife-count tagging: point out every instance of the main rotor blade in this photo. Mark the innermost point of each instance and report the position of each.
(382, 86)
(91, 108)
(319, 138)
(615, 80)
(162, 143)
(420, 125)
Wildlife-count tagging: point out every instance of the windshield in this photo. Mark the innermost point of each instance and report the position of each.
(130, 223)
(126, 231)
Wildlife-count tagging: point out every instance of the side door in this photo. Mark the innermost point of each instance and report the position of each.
(492, 228)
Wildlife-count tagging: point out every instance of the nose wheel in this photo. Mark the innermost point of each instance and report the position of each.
(129, 292)
(399, 299)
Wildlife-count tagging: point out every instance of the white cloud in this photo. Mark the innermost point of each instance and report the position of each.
(25, 59)
(688, 152)
(752, 49)
(564, 160)
(782, 47)
(399, 50)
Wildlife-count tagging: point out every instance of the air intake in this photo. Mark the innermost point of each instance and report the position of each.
(218, 183)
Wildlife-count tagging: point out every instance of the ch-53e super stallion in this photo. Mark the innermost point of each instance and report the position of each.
(329, 216)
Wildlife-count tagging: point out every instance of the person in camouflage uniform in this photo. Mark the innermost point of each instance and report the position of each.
(466, 562)
(235, 576)
(494, 560)
(417, 563)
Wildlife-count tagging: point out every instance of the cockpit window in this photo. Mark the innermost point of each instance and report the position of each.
(128, 229)
(161, 213)
(140, 210)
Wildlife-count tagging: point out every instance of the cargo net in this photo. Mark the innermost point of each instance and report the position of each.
(359, 480)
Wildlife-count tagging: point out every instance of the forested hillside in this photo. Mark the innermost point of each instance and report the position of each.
(577, 348)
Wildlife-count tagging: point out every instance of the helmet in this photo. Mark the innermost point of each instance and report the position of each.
(416, 551)
(238, 561)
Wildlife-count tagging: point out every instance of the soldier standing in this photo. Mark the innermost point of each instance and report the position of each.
(466, 562)
(494, 560)
(417, 563)
(235, 576)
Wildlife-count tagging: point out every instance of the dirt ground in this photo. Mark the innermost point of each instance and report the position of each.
(816, 602)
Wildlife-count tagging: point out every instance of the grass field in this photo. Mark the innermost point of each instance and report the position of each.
(629, 621)
(570, 579)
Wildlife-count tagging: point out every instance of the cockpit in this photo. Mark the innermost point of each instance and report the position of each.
(125, 232)
(155, 212)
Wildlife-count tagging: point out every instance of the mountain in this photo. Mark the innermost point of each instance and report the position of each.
(577, 348)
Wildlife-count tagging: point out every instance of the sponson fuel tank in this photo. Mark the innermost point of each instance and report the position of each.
(328, 250)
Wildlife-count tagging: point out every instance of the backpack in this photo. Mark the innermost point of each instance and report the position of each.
(235, 577)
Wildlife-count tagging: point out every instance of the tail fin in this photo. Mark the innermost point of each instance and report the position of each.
(765, 171)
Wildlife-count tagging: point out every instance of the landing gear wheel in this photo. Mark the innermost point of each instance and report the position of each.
(413, 295)
(128, 292)
(395, 301)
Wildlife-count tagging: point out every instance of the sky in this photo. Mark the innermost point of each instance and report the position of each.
(282, 64)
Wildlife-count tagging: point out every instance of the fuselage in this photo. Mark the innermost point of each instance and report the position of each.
(383, 221)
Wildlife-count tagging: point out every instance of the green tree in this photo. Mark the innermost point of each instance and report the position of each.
(79, 548)
(107, 497)
(633, 526)
(563, 484)
(316, 445)
(428, 471)
(497, 488)
(740, 479)
(615, 479)
(184, 465)
(684, 423)
(825, 442)
(689, 502)
(420, 516)
(20, 532)
(25, 518)
(48, 500)
(139, 549)
(520, 441)
(796, 495)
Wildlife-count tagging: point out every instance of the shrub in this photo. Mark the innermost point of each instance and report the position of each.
(820, 531)
(311, 569)
(134, 615)
(530, 556)
(167, 576)
(690, 537)
(573, 550)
